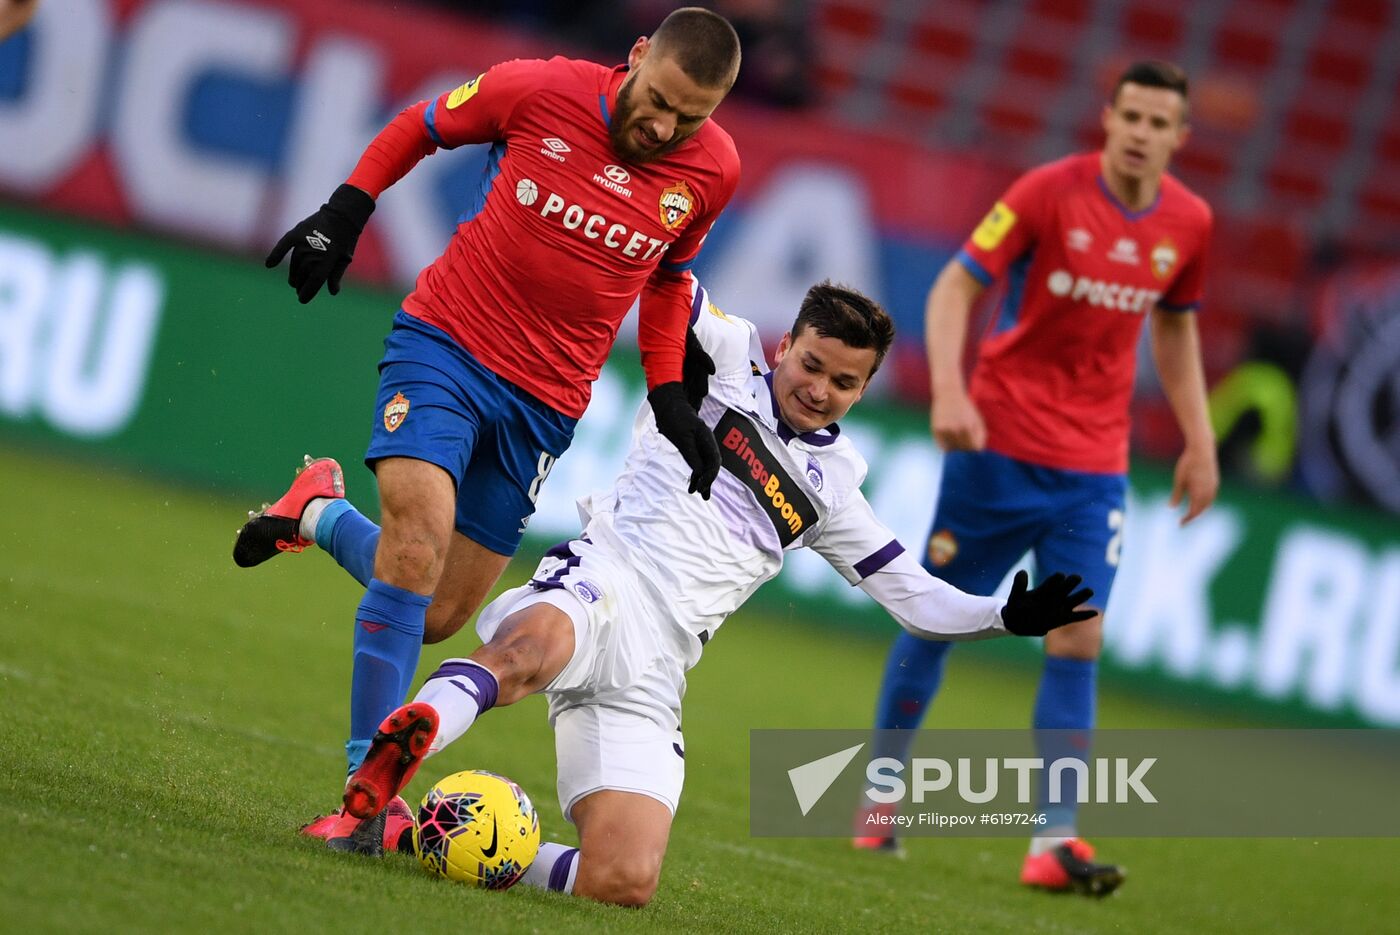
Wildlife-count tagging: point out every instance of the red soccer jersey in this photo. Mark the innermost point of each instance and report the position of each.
(1054, 377)
(562, 235)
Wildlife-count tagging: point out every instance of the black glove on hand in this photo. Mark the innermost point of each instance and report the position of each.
(699, 366)
(323, 244)
(677, 420)
(1051, 605)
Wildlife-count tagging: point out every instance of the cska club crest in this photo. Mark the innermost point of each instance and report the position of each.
(1163, 259)
(942, 548)
(676, 205)
(396, 411)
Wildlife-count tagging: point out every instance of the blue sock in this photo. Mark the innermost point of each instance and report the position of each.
(1064, 723)
(913, 673)
(388, 638)
(349, 538)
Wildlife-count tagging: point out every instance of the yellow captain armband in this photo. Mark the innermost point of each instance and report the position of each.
(994, 227)
(463, 94)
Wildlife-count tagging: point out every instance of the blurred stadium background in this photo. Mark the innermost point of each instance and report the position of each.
(152, 150)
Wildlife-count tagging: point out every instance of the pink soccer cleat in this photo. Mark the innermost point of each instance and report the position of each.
(277, 527)
(1071, 867)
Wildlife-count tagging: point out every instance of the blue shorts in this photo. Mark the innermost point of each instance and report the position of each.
(992, 510)
(438, 403)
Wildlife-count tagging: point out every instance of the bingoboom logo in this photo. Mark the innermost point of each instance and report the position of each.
(591, 225)
(778, 494)
(1100, 294)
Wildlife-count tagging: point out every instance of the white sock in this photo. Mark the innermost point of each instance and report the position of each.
(457, 710)
(542, 872)
(1045, 843)
(311, 516)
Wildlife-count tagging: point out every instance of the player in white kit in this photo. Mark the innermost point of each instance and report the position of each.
(611, 621)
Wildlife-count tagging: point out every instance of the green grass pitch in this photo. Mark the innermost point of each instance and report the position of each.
(169, 720)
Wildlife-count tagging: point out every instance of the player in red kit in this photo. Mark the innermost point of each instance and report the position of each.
(600, 188)
(1037, 448)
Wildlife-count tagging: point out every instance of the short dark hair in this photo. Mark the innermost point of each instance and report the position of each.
(703, 43)
(851, 317)
(1153, 73)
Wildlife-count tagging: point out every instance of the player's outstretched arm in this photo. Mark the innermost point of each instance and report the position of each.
(323, 244)
(1053, 603)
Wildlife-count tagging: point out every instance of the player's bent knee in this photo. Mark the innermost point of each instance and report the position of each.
(1082, 640)
(629, 883)
(444, 619)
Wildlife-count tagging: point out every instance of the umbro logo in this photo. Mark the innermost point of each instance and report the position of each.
(318, 241)
(373, 627)
(554, 148)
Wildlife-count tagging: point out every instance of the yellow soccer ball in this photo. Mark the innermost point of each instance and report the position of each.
(477, 828)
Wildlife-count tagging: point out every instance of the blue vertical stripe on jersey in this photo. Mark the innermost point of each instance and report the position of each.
(1010, 311)
(603, 109)
(430, 121)
(488, 178)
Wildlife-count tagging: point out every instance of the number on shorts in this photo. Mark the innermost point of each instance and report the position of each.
(543, 468)
(1115, 544)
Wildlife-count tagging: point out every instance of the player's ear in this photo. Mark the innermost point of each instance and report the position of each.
(784, 346)
(639, 52)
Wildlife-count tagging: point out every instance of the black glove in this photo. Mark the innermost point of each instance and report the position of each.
(1051, 605)
(323, 244)
(699, 366)
(677, 420)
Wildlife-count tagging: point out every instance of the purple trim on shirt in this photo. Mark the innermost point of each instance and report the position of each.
(977, 270)
(879, 558)
(787, 434)
(1188, 307)
(1126, 211)
(559, 873)
(695, 306)
(475, 673)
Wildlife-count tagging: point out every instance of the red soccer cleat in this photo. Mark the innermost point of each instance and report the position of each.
(394, 756)
(277, 527)
(398, 826)
(1071, 867)
(868, 820)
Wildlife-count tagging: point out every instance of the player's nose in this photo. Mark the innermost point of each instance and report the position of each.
(662, 128)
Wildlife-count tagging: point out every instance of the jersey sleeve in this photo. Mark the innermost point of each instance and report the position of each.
(864, 552)
(666, 298)
(479, 111)
(727, 339)
(1186, 290)
(1010, 229)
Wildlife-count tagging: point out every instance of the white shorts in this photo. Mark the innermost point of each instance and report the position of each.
(616, 706)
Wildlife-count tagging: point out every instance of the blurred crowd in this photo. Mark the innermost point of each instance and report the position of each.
(775, 34)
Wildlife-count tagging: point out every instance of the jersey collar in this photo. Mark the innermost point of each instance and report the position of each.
(608, 96)
(1127, 212)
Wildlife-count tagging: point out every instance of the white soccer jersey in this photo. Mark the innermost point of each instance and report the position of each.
(777, 490)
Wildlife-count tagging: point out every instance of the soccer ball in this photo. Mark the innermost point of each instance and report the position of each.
(478, 828)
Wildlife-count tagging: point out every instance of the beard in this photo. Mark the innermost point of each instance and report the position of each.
(622, 124)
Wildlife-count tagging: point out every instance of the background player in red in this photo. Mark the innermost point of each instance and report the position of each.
(600, 187)
(1037, 450)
